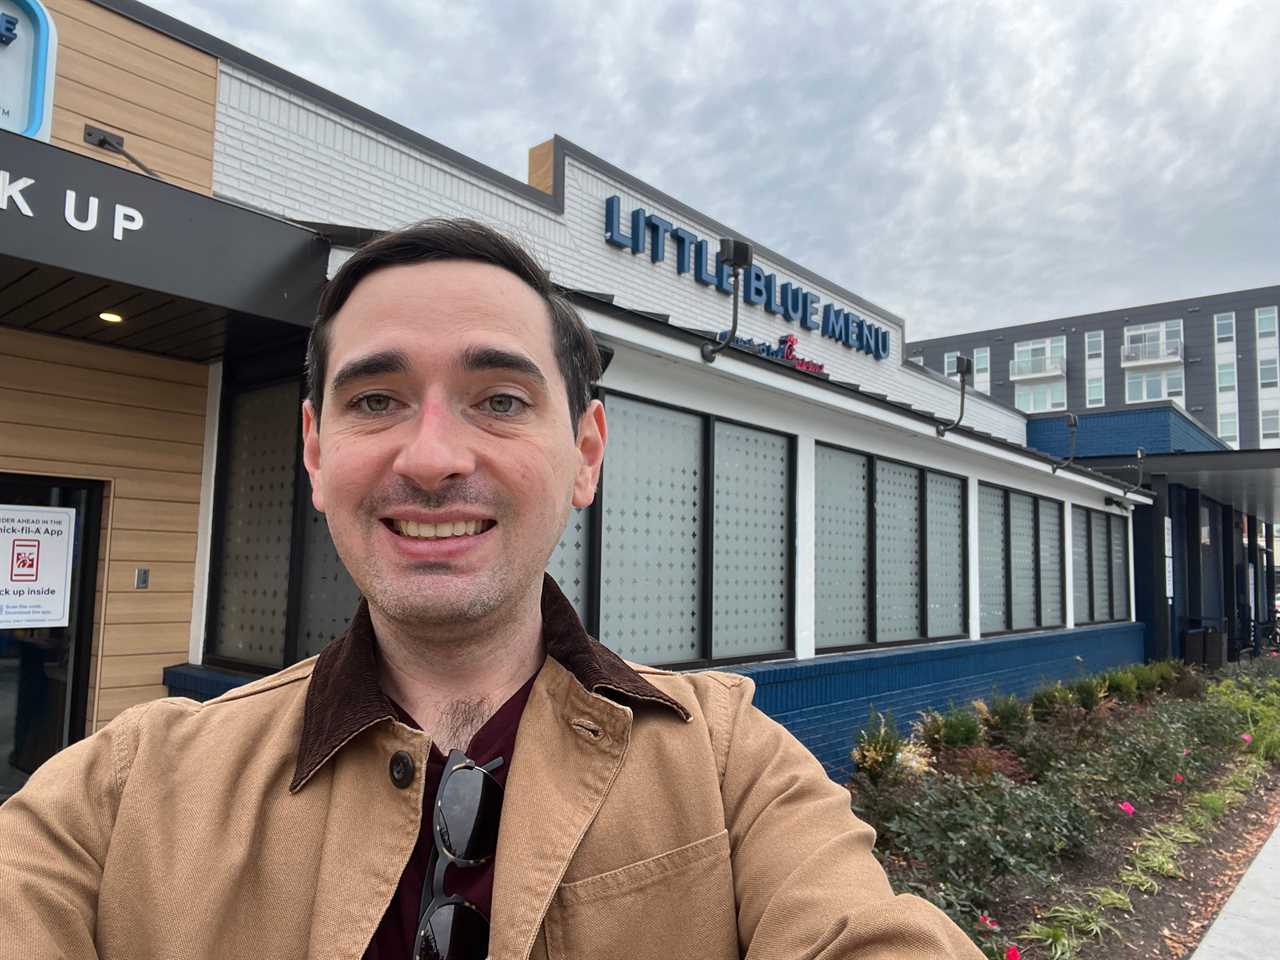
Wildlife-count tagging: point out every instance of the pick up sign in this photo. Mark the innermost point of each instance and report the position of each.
(36, 550)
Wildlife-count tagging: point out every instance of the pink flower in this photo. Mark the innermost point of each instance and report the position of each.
(1178, 778)
(1273, 654)
(1127, 807)
(1013, 953)
(1186, 751)
(1247, 738)
(987, 922)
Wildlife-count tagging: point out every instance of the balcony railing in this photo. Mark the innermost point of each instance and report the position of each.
(1029, 367)
(1163, 351)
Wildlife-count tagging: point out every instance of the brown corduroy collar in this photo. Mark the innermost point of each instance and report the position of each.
(344, 697)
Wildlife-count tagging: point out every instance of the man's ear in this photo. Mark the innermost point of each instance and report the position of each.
(311, 453)
(592, 434)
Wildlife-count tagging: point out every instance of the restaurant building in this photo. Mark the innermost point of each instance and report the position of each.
(806, 509)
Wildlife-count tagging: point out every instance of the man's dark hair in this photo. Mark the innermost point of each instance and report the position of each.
(459, 239)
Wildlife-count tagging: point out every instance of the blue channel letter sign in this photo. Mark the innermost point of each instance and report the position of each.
(28, 54)
(789, 301)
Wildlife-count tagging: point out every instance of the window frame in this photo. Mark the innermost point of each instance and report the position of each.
(1101, 383)
(1270, 313)
(1036, 501)
(873, 643)
(706, 589)
(1218, 336)
(1101, 350)
(949, 363)
(985, 366)
(1263, 414)
(1265, 383)
(1089, 621)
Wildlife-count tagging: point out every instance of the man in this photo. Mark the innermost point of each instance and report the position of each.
(465, 773)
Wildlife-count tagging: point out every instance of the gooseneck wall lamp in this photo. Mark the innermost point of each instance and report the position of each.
(964, 366)
(737, 255)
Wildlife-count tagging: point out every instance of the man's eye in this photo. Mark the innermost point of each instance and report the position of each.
(373, 403)
(505, 404)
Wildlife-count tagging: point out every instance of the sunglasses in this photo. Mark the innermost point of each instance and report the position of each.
(464, 825)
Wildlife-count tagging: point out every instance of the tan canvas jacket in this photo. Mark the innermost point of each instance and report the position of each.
(648, 816)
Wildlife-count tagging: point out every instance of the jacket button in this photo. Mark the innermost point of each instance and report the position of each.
(401, 769)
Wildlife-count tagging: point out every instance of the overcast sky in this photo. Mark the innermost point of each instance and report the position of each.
(963, 164)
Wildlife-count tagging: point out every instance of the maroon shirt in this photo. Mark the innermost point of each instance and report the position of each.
(393, 940)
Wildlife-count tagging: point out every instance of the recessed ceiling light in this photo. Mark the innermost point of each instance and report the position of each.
(111, 317)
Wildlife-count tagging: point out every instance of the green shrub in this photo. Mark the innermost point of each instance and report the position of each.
(1165, 673)
(1190, 684)
(1006, 719)
(1088, 692)
(1047, 701)
(928, 728)
(1147, 678)
(960, 728)
(878, 744)
(1122, 684)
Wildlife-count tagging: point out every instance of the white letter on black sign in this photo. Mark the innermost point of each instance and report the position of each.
(13, 191)
(90, 221)
(127, 218)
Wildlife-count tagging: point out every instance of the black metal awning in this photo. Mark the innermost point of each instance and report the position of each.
(1248, 480)
(187, 271)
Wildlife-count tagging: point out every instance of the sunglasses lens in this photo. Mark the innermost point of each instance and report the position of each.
(470, 807)
(454, 932)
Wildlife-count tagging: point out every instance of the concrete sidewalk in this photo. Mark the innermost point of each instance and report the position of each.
(1249, 924)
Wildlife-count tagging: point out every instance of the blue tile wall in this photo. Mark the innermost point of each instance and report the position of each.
(825, 701)
(1161, 429)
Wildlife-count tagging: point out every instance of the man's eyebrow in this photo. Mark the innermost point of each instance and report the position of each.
(372, 365)
(493, 358)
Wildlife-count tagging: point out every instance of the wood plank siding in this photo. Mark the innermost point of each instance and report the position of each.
(75, 409)
(158, 93)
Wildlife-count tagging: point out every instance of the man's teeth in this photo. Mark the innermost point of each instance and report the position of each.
(434, 531)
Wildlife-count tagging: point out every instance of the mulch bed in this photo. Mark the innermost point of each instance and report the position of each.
(1171, 922)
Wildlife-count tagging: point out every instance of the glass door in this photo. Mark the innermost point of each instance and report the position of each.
(49, 531)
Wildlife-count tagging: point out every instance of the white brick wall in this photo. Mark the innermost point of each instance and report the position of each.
(279, 151)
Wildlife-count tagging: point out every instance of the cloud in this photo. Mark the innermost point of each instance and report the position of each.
(965, 164)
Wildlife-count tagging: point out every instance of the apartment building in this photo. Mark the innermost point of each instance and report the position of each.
(1217, 357)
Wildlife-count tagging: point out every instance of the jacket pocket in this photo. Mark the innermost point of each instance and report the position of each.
(677, 904)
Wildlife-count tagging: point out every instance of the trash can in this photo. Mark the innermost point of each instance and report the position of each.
(1215, 649)
(1193, 647)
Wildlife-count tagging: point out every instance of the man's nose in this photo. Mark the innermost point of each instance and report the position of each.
(439, 447)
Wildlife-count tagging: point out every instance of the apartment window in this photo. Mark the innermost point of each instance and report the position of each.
(982, 360)
(1040, 397)
(1271, 423)
(1265, 317)
(949, 362)
(1093, 345)
(1224, 325)
(1094, 396)
(1019, 548)
(1100, 559)
(1268, 372)
(1227, 377)
(890, 551)
(1173, 384)
(1227, 427)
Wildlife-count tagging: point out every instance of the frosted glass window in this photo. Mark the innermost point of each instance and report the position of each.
(1080, 563)
(1022, 547)
(257, 525)
(945, 523)
(991, 559)
(568, 565)
(329, 597)
(1050, 564)
(840, 594)
(652, 551)
(1101, 563)
(1119, 569)
(752, 533)
(897, 516)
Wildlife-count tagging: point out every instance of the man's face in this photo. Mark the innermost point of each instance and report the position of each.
(444, 459)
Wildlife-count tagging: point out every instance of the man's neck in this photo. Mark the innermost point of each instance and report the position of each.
(452, 680)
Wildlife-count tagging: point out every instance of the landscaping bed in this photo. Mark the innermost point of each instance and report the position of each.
(1112, 814)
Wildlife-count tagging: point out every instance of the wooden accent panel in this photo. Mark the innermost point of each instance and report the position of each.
(138, 669)
(165, 578)
(148, 515)
(69, 413)
(157, 92)
(140, 547)
(37, 376)
(91, 356)
(542, 174)
(113, 701)
(71, 408)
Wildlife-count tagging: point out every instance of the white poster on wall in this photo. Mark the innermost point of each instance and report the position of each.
(36, 549)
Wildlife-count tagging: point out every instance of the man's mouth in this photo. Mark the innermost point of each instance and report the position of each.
(439, 531)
